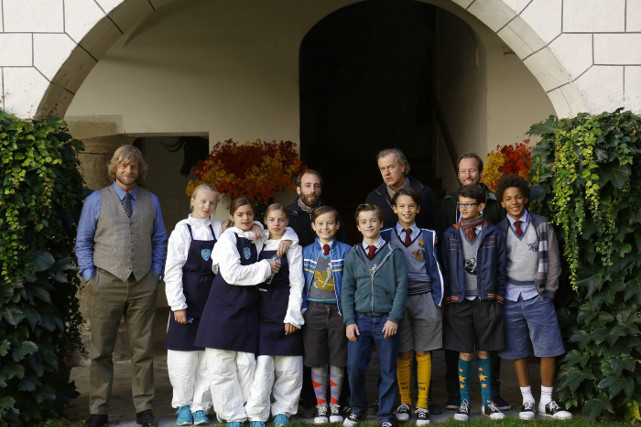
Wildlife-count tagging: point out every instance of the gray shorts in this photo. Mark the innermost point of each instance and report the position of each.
(421, 328)
(324, 336)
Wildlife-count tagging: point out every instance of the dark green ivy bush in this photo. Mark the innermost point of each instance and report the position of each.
(589, 170)
(40, 202)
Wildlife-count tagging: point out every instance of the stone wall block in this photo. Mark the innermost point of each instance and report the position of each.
(80, 17)
(593, 16)
(23, 90)
(101, 38)
(517, 5)
(131, 14)
(576, 52)
(494, 13)
(50, 51)
(75, 69)
(632, 85)
(108, 5)
(520, 38)
(547, 69)
(544, 16)
(16, 50)
(617, 49)
(33, 16)
(633, 15)
(603, 88)
(463, 3)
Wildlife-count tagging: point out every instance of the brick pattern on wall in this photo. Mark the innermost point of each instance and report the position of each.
(584, 53)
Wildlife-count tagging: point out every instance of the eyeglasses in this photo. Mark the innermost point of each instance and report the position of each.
(465, 205)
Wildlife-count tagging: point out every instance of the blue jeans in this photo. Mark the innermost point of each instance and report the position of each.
(359, 354)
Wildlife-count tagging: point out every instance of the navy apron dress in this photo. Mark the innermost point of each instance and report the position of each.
(273, 299)
(197, 279)
(230, 319)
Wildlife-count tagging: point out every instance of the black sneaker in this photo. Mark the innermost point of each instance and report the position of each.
(528, 411)
(463, 413)
(500, 403)
(453, 402)
(553, 410)
(146, 418)
(422, 416)
(403, 412)
(335, 414)
(320, 416)
(434, 407)
(492, 412)
(353, 419)
(387, 424)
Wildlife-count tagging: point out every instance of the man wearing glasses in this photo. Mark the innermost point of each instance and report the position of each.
(470, 171)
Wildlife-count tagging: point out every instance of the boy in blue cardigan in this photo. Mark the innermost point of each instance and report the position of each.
(420, 331)
(374, 293)
(324, 331)
(474, 266)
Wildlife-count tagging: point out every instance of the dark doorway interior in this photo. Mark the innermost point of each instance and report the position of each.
(367, 77)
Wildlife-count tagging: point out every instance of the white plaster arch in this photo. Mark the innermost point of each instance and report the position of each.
(583, 52)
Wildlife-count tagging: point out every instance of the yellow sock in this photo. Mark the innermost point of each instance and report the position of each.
(403, 374)
(423, 376)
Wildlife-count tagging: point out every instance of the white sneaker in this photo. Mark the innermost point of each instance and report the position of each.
(463, 413)
(403, 412)
(490, 410)
(553, 410)
(335, 414)
(528, 411)
(320, 416)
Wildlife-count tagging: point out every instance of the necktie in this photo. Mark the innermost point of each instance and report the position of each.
(127, 204)
(470, 232)
(370, 251)
(325, 249)
(517, 226)
(408, 236)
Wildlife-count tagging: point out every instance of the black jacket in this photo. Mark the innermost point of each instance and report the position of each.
(301, 222)
(426, 218)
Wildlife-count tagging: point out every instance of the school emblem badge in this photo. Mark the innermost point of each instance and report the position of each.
(247, 253)
(205, 253)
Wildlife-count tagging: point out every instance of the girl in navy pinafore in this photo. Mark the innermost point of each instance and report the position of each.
(279, 366)
(229, 327)
(188, 279)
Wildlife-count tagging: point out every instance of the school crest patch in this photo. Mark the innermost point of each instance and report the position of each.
(205, 253)
(247, 253)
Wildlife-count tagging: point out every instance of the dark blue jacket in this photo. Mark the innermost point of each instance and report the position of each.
(431, 262)
(491, 259)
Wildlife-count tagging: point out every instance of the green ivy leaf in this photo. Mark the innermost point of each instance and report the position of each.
(44, 260)
(24, 349)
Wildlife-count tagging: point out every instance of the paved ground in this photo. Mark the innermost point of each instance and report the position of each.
(122, 412)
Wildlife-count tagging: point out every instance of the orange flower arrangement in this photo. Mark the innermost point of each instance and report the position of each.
(516, 159)
(256, 170)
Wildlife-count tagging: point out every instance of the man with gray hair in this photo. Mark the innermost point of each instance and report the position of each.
(121, 248)
(395, 171)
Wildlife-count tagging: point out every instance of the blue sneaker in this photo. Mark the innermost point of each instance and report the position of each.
(281, 420)
(234, 424)
(255, 424)
(184, 416)
(200, 418)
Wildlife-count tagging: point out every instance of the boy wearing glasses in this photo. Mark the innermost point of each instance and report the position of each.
(533, 269)
(475, 272)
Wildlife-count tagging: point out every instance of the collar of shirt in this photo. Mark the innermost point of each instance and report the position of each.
(121, 193)
(399, 231)
(204, 222)
(331, 244)
(525, 220)
(379, 244)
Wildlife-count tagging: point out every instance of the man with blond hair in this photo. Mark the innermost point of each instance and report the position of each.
(121, 250)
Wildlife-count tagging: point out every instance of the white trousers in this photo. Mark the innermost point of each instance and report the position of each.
(280, 375)
(230, 376)
(188, 376)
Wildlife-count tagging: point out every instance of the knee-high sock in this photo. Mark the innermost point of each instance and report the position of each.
(464, 372)
(423, 376)
(403, 375)
(336, 378)
(485, 378)
(319, 381)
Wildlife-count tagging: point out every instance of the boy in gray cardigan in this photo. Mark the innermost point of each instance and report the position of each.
(373, 300)
(533, 269)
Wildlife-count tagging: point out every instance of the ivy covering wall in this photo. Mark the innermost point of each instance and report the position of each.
(40, 201)
(589, 170)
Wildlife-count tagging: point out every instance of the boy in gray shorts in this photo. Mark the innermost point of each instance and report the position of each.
(420, 331)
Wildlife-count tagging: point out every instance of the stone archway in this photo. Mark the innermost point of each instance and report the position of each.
(69, 37)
